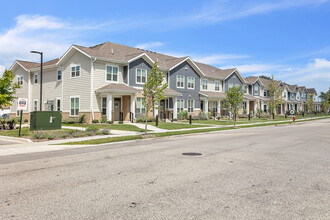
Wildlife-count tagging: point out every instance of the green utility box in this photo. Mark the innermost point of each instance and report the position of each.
(45, 120)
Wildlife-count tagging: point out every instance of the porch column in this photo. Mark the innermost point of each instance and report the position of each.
(109, 107)
(133, 105)
(255, 107)
(248, 107)
(206, 105)
(219, 107)
(285, 108)
(281, 109)
(156, 110)
(175, 108)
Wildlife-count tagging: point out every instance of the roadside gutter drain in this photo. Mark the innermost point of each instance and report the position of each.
(191, 154)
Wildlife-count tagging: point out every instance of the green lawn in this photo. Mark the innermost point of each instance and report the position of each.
(246, 121)
(121, 127)
(174, 126)
(166, 134)
(14, 133)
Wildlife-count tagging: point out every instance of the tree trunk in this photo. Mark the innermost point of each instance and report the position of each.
(146, 124)
(234, 118)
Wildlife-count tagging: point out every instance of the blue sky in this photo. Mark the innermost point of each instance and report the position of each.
(289, 39)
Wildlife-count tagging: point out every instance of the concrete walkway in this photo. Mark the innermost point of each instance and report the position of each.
(23, 146)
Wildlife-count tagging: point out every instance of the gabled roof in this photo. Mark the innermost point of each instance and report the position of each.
(211, 94)
(311, 91)
(117, 87)
(302, 88)
(266, 82)
(292, 88)
(213, 72)
(27, 65)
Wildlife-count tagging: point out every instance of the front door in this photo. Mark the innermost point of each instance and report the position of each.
(117, 109)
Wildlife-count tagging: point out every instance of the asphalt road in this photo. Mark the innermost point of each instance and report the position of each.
(278, 172)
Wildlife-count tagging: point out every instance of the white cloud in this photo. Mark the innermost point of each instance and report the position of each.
(218, 58)
(2, 69)
(255, 68)
(150, 45)
(227, 10)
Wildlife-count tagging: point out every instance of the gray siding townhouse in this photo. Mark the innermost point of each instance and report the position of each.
(106, 81)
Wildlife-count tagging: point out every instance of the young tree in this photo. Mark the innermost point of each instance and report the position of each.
(153, 91)
(7, 88)
(234, 99)
(310, 103)
(275, 96)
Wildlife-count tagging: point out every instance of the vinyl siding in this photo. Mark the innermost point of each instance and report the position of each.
(99, 81)
(79, 86)
(23, 91)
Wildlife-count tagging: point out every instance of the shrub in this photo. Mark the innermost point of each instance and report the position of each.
(103, 120)
(110, 122)
(105, 131)
(82, 119)
(120, 122)
(175, 119)
(70, 121)
(77, 134)
(95, 121)
(142, 118)
(209, 115)
(183, 115)
(38, 135)
(26, 120)
(50, 136)
(92, 129)
(11, 123)
(64, 135)
(202, 116)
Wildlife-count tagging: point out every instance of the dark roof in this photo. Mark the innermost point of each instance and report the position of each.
(311, 91)
(32, 65)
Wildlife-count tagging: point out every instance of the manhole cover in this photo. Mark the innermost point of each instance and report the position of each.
(191, 154)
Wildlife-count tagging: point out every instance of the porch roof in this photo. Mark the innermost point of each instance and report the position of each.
(210, 94)
(249, 97)
(117, 87)
(167, 92)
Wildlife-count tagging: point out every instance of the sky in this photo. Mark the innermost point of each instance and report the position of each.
(289, 39)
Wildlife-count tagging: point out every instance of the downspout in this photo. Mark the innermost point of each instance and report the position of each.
(92, 87)
(29, 92)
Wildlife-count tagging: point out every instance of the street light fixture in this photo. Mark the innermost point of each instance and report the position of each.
(41, 58)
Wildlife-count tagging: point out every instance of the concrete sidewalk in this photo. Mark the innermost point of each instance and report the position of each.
(27, 146)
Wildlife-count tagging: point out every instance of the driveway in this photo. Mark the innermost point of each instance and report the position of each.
(277, 172)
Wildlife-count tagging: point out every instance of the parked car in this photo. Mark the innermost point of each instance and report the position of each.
(4, 116)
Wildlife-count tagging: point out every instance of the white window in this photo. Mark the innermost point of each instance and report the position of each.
(245, 89)
(179, 81)
(190, 104)
(230, 85)
(104, 105)
(112, 73)
(265, 93)
(59, 75)
(74, 106)
(75, 71)
(20, 80)
(141, 76)
(191, 82)
(180, 104)
(204, 84)
(35, 105)
(217, 85)
(140, 108)
(256, 89)
(36, 78)
(58, 104)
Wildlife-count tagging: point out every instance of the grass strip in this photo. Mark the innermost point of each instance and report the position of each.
(174, 133)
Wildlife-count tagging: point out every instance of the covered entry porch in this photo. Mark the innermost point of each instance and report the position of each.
(117, 102)
(211, 102)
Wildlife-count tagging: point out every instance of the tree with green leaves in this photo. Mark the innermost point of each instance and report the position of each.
(153, 91)
(325, 101)
(265, 77)
(310, 103)
(234, 99)
(275, 96)
(7, 88)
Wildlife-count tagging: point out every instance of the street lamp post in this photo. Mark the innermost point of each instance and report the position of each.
(41, 58)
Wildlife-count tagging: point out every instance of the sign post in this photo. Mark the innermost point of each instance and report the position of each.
(22, 105)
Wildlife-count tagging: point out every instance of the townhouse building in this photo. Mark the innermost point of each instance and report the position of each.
(106, 81)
